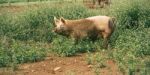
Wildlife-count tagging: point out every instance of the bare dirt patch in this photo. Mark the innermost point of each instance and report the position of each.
(58, 66)
(52, 65)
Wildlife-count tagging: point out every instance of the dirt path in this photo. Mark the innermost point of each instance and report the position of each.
(76, 65)
(58, 66)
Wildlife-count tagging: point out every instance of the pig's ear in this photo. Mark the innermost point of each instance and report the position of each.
(55, 19)
(62, 20)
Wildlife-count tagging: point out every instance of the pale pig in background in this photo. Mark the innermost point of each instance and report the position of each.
(91, 27)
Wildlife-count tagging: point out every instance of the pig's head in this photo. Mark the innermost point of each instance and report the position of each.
(59, 26)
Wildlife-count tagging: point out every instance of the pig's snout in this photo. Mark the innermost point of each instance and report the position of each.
(54, 30)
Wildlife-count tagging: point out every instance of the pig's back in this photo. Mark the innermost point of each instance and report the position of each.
(101, 22)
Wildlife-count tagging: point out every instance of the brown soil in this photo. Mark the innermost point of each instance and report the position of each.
(52, 65)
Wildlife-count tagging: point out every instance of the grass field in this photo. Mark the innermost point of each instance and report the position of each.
(27, 37)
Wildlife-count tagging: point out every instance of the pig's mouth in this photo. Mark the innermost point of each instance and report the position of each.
(57, 31)
(61, 32)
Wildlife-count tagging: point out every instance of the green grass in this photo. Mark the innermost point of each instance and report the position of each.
(15, 52)
(29, 31)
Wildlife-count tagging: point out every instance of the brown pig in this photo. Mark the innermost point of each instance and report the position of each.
(91, 27)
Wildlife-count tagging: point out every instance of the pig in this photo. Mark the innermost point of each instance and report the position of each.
(91, 27)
